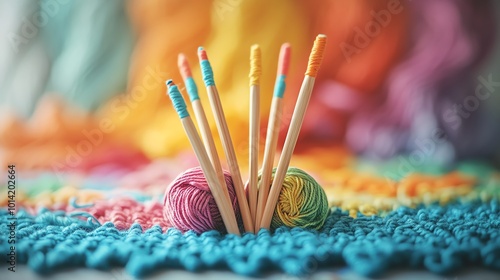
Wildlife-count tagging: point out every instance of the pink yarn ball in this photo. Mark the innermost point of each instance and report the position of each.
(189, 205)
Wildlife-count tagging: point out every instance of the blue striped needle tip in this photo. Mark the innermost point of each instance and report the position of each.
(177, 99)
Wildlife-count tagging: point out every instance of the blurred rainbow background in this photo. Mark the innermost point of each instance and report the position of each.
(405, 112)
(407, 96)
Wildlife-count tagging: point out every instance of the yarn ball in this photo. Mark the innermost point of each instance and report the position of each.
(302, 202)
(189, 204)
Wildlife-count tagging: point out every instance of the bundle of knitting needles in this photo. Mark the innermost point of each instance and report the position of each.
(257, 204)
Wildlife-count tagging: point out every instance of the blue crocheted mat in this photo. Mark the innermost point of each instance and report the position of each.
(441, 239)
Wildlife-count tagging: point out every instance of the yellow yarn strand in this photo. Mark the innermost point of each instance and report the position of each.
(255, 65)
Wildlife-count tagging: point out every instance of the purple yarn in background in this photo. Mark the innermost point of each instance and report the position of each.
(449, 40)
(189, 205)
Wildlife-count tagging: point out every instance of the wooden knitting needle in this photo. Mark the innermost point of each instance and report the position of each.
(227, 144)
(201, 118)
(225, 206)
(273, 128)
(315, 59)
(255, 72)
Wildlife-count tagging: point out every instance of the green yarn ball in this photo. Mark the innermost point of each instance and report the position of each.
(302, 202)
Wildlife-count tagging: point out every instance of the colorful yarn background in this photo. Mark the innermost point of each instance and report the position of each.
(397, 88)
(439, 70)
(84, 117)
(394, 87)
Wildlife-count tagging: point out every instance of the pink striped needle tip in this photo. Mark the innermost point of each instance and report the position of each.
(184, 67)
(202, 54)
(284, 60)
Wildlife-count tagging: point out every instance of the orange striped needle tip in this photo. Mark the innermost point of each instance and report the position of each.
(202, 54)
(284, 60)
(187, 76)
(206, 68)
(184, 67)
(316, 55)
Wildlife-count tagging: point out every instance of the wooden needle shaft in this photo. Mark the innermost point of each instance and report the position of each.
(315, 59)
(223, 204)
(230, 156)
(269, 152)
(289, 146)
(273, 128)
(208, 140)
(254, 149)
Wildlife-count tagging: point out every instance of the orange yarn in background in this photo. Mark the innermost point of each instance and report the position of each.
(143, 117)
(235, 26)
(349, 61)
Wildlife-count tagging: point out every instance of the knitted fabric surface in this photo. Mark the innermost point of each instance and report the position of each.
(440, 239)
(434, 219)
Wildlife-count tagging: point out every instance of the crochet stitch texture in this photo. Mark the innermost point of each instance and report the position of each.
(438, 238)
